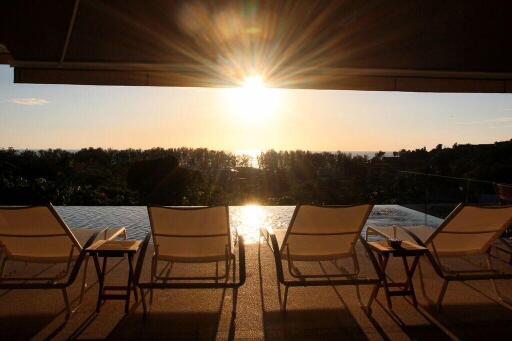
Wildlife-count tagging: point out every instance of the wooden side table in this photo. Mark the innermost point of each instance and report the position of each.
(408, 249)
(114, 248)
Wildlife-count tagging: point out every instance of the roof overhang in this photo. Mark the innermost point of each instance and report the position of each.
(404, 45)
(5, 56)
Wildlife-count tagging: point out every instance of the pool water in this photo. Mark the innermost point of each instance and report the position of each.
(246, 219)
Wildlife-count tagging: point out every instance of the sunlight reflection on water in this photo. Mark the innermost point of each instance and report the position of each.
(248, 221)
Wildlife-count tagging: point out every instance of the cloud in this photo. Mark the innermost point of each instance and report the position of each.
(507, 119)
(502, 126)
(28, 101)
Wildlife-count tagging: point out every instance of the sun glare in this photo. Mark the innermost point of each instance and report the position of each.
(252, 217)
(253, 101)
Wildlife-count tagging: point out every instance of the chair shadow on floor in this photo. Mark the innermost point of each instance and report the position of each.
(25, 327)
(307, 324)
(26, 315)
(314, 324)
(475, 321)
(462, 320)
(167, 326)
(172, 325)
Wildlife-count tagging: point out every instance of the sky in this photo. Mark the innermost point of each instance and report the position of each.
(248, 119)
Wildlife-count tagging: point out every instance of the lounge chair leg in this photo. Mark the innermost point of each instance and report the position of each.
(144, 306)
(259, 244)
(84, 280)
(285, 300)
(358, 294)
(3, 267)
(234, 269)
(368, 308)
(493, 282)
(441, 294)
(167, 274)
(497, 292)
(279, 294)
(422, 284)
(153, 273)
(66, 301)
(235, 300)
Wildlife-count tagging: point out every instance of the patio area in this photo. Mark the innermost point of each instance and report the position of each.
(470, 310)
(182, 88)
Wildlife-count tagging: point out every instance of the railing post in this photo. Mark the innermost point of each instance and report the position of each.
(466, 196)
(426, 197)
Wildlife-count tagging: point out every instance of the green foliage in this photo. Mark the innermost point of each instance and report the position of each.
(186, 176)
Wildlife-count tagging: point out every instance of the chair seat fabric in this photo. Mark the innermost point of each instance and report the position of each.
(319, 233)
(303, 250)
(47, 258)
(191, 234)
(194, 259)
(470, 230)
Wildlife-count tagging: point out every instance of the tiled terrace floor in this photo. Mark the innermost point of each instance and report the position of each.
(470, 311)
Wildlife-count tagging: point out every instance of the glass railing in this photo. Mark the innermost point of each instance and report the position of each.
(437, 195)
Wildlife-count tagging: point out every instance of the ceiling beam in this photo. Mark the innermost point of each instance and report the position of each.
(370, 80)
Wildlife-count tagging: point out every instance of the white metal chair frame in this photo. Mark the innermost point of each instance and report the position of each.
(341, 278)
(184, 282)
(234, 284)
(228, 259)
(462, 275)
(18, 282)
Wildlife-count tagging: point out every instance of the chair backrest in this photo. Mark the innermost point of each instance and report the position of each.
(470, 229)
(504, 193)
(35, 231)
(325, 230)
(191, 233)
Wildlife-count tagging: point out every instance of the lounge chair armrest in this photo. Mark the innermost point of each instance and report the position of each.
(435, 264)
(242, 274)
(505, 246)
(236, 237)
(118, 231)
(266, 230)
(81, 257)
(277, 254)
(411, 234)
(372, 230)
(140, 259)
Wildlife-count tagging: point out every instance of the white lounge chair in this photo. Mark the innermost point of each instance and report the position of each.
(468, 231)
(322, 233)
(193, 235)
(37, 234)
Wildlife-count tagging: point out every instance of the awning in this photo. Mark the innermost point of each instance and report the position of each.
(401, 45)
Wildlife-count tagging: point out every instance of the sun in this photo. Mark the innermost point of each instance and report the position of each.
(254, 83)
(253, 101)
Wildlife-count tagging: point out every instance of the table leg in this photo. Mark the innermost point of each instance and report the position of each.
(101, 277)
(383, 260)
(133, 278)
(130, 285)
(409, 273)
